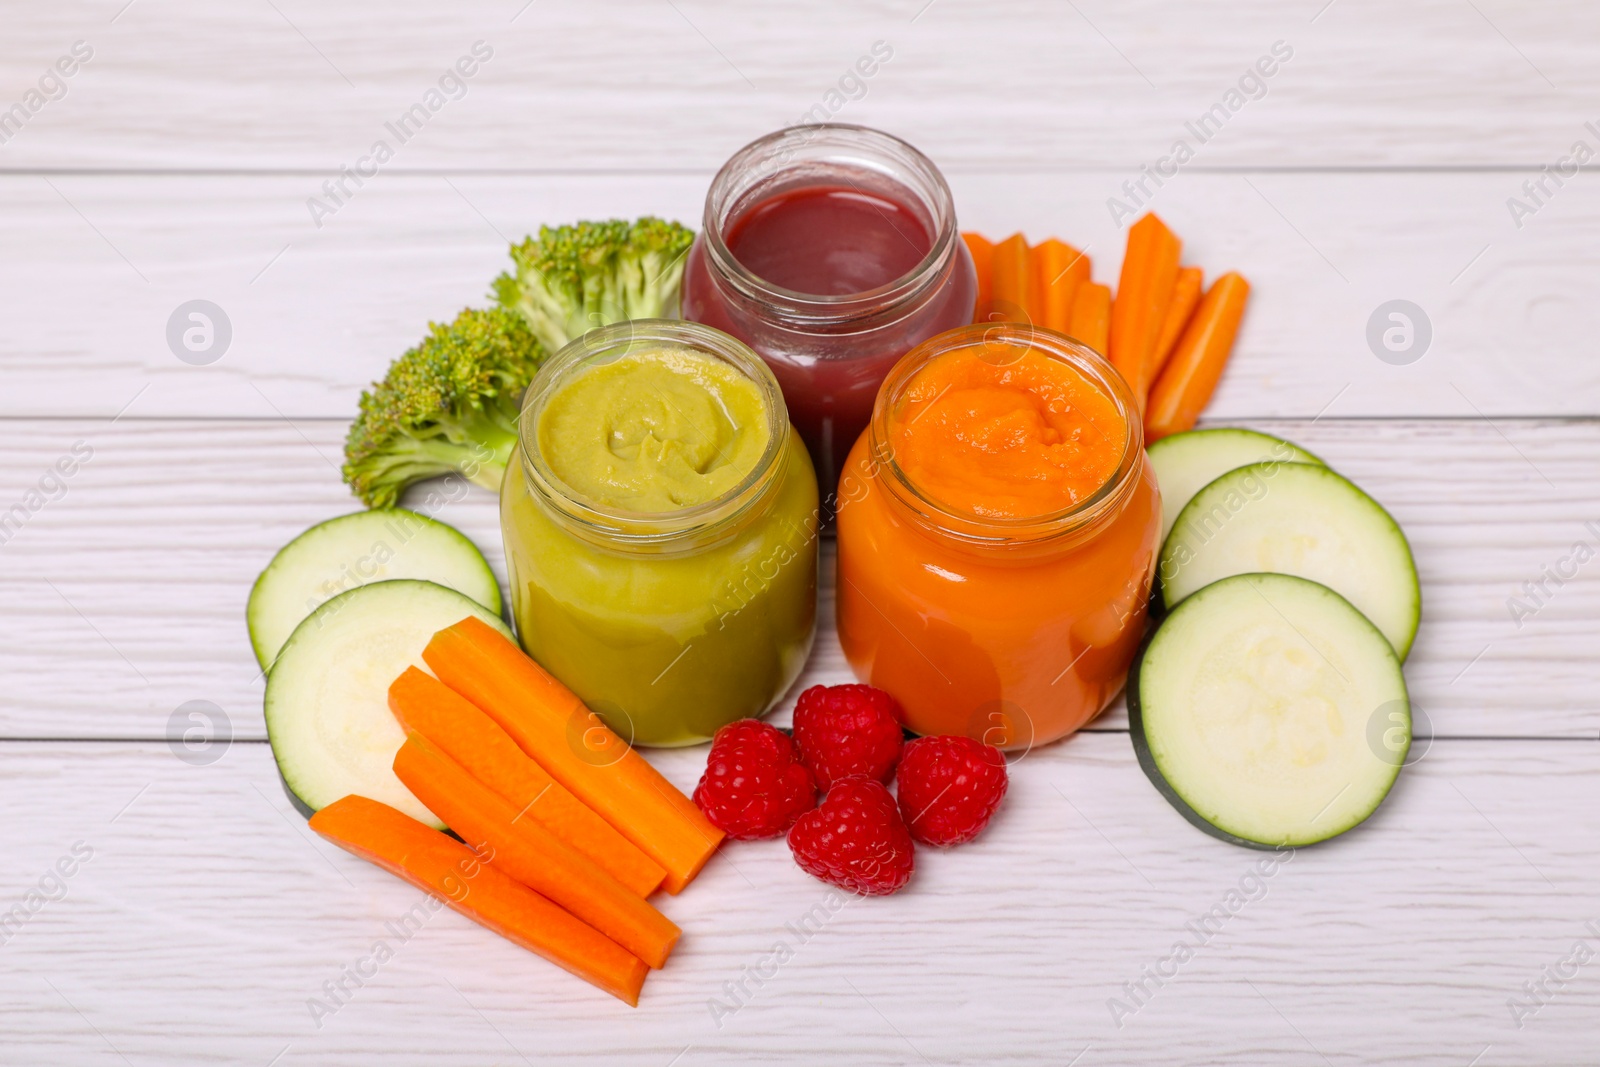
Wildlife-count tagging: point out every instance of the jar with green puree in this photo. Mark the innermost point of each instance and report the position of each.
(660, 523)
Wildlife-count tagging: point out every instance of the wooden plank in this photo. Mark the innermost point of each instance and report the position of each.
(208, 916)
(178, 166)
(123, 598)
(624, 85)
(316, 314)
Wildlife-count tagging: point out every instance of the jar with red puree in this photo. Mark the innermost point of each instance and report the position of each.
(998, 530)
(831, 250)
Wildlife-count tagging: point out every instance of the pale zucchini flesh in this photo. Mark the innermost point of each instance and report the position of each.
(352, 550)
(1265, 710)
(1300, 519)
(1187, 462)
(327, 700)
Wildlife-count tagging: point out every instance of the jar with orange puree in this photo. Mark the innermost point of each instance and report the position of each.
(998, 531)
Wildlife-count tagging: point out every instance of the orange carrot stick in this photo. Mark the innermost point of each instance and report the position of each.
(1185, 296)
(1091, 315)
(531, 854)
(1057, 270)
(427, 706)
(982, 250)
(552, 726)
(1149, 271)
(1009, 281)
(1185, 387)
(451, 871)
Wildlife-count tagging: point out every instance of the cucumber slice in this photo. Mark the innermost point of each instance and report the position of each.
(1295, 518)
(1186, 462)
(352, 550)
(1252, 709)
(327, 700)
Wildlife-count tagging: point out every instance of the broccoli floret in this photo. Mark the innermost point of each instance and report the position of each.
(574, 278)
(449, 404)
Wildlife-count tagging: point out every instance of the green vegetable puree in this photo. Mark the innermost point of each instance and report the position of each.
(654, 431)
(670, 641)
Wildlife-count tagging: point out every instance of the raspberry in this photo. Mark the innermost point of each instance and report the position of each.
(855, 839)
(846, 730)
(754, 785)
(949, 788)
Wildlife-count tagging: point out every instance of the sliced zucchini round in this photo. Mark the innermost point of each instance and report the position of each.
(1252, 710)
(327, 701)
(1186, 462)
(1296, 518)
(352, 550)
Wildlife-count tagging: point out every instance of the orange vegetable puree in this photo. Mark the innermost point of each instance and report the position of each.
(1004, 431)
(994, 577)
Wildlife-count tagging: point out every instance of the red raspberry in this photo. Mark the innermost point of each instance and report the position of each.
(754, 785)
(846, 730)
(949, 788)
(855, 839)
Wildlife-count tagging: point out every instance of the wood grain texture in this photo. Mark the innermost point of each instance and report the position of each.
(124, 597)
(317, 314)
(1377, 166)
(209, 915)
(640, 83)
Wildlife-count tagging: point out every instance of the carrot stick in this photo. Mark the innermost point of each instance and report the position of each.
(1009, 281)
(1191, 376)
(553, 727)
(1185, 295)
(531, 854)
(1091, 315)
(982, 250)
(1149, 271)
(427, 706)
(1057, 270)
(445, 867)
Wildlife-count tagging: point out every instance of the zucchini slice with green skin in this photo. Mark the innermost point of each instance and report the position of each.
(327, 702)
(1269, 711)
(1296, 518)
(352, 550)
(1187, 462)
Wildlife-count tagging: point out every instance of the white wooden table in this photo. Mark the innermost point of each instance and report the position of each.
(1376, 166)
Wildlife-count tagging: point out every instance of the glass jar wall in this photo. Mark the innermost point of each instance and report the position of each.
(660, 522)
(998, 529)
(831, 250)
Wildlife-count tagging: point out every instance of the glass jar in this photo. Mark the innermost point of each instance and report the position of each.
(1012, 631)
(668, 625)
(830, 352)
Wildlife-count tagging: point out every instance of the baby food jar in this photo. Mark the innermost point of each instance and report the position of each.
(660, 522)
(831, 250)
(998, 531)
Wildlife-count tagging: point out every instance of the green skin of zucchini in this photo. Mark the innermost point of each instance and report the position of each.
(305, 810)
(1158, 605)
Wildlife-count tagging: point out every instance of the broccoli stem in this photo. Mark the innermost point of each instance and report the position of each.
(411, 458)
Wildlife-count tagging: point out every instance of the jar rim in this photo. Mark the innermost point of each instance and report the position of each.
(619, 526)
(967, 526)
(761, 163)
